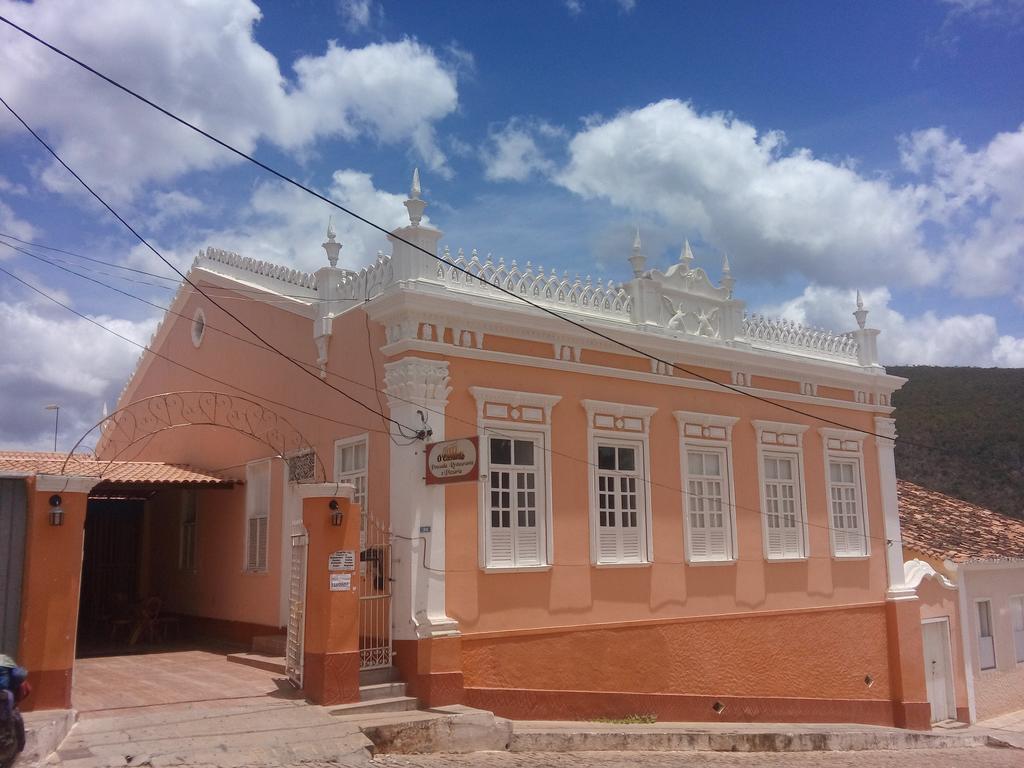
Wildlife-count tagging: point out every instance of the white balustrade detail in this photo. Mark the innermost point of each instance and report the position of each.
(262, 268)
(534, 284)
(785, 334)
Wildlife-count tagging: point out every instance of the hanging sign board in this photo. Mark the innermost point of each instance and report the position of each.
(453, 461)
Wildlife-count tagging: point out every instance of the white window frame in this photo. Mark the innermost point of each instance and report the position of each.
(251, 513)
(846, 445)
(522, 415)
(188, 530)
(626, 426)
(981, 638)
(707, 433)
(775, 438)
(341, 476)
(1017, 612)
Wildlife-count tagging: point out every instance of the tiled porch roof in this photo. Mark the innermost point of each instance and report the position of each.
(946, 528)
(119, 472)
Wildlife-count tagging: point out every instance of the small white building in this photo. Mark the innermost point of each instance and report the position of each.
(982, 552)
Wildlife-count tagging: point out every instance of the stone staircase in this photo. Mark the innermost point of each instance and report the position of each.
(380, 690)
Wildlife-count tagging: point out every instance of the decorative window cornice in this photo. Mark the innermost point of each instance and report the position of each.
(779, 433)
(849, 440)
(705, 426)
(618, 417)
(511, 405)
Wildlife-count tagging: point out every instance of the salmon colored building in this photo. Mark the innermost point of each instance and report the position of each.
(704, 527)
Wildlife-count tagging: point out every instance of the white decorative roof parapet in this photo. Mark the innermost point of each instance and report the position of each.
(533, 283)
(256, 267)
(773, 333)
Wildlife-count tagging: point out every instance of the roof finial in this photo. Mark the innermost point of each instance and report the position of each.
(332, 247)
(686, 255)
(861, 314)
(414, 204)
(726, 269)
(637, 260)
(727, 279)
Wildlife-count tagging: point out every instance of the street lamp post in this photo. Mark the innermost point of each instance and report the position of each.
(56, 420)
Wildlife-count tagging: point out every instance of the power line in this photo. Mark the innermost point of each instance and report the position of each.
(646, 479)
(378, 227)
(176, 281)
(171, 360)
(582, 326)
(199, 290)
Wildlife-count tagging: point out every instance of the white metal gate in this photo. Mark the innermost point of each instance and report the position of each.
(374, 595)
(296, 609)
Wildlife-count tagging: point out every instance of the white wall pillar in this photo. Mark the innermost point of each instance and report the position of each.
(415, 386)
(885, 428)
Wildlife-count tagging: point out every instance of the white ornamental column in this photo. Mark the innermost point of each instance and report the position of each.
(885, 428)
(415, 386)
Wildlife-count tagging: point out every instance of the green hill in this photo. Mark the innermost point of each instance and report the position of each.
(975, 417)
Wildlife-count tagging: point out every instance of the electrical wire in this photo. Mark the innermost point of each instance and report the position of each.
(645, 479)
(540, 307)
(185, 278)
(171, 360)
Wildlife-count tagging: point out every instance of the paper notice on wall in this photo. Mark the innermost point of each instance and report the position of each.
(341, 582)
(342, 560)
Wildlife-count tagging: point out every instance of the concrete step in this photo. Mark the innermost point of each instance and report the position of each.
(381, 691)
(725, 737)
(381, 675)
(391, 704)
(260, 661)
(270, 645)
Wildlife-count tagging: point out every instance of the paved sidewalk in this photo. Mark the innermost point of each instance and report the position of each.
(1008, 728)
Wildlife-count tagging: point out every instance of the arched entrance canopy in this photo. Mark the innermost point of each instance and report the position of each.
(149, 416)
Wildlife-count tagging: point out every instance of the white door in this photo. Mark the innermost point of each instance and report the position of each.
(297, 610)
(938, 669)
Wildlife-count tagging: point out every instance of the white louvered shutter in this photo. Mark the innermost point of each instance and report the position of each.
(619, 478)
(527, 535)
(257, 509)
(499, 529)
(846, 509)
(515, 503)
(707, 506)
(783, 508)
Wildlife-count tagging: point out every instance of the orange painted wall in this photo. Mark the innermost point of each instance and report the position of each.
(793, 654)
(49, 602)
(220, 588)
(575, 592)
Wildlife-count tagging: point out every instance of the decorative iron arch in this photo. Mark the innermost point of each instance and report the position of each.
(149, 416)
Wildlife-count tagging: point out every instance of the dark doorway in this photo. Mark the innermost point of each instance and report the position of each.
(110, 569)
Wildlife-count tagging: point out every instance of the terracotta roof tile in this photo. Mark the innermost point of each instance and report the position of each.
(946, 528)
(121, 472)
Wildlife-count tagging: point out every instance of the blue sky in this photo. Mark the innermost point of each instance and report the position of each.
(825, 146)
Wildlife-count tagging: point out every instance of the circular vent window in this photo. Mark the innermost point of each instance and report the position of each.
(198, 327)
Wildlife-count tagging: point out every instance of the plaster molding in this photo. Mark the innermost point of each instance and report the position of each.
(417, 379)
(779, 434)
(704, 426)
(616, 417)
(514, 401)
(324, 490)
(916, 571)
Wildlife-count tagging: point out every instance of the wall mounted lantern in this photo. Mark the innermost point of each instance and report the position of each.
(336, 513)
(56, 513)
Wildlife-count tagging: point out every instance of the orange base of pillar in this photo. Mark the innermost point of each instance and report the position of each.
(331, 678)
(432, 670)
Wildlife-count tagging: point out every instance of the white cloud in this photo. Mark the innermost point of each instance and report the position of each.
(39, 366)
(927, 339)
(284, 225)
(512, 153)
(979, 198)
(575, 7)
(12, 224)
(358, 14)
(773, 211)
(202, 61)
